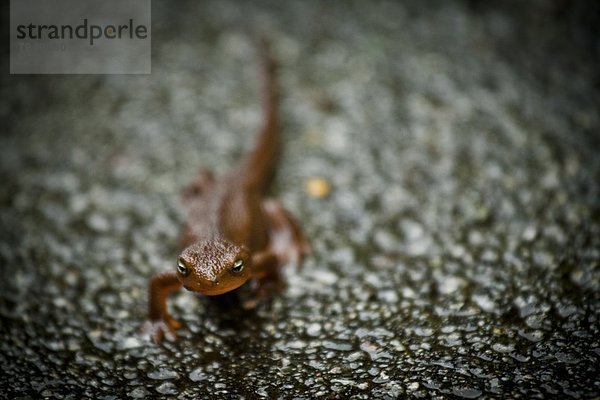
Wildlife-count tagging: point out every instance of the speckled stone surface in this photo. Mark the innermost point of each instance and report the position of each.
(456, 256)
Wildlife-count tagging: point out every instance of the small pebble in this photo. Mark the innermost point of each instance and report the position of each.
(317, 187)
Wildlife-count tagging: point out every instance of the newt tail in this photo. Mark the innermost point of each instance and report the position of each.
(258, 167)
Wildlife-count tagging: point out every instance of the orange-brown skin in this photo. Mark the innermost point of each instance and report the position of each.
(232, 234)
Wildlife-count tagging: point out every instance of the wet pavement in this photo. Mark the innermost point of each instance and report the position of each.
(456, 255)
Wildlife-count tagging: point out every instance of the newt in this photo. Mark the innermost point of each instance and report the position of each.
(233, 233)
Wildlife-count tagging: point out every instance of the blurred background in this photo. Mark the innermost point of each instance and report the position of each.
(442, 156)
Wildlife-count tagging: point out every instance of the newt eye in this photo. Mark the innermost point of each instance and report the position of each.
(182, 268)
(238, 266)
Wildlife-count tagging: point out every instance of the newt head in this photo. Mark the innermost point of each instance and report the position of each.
(213, 267)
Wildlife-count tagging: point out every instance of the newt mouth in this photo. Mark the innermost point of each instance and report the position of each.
(221, 289)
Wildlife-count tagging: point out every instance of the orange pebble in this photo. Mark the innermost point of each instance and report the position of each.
(317, 187)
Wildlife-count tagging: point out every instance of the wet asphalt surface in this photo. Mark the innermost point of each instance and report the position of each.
(456, 256)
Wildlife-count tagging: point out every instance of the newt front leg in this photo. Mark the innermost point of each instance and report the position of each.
(160, 324)
(266, 278)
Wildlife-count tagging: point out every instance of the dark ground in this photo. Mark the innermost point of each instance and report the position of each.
(457, 255)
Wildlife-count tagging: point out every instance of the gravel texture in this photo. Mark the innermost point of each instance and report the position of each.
(457, 254)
